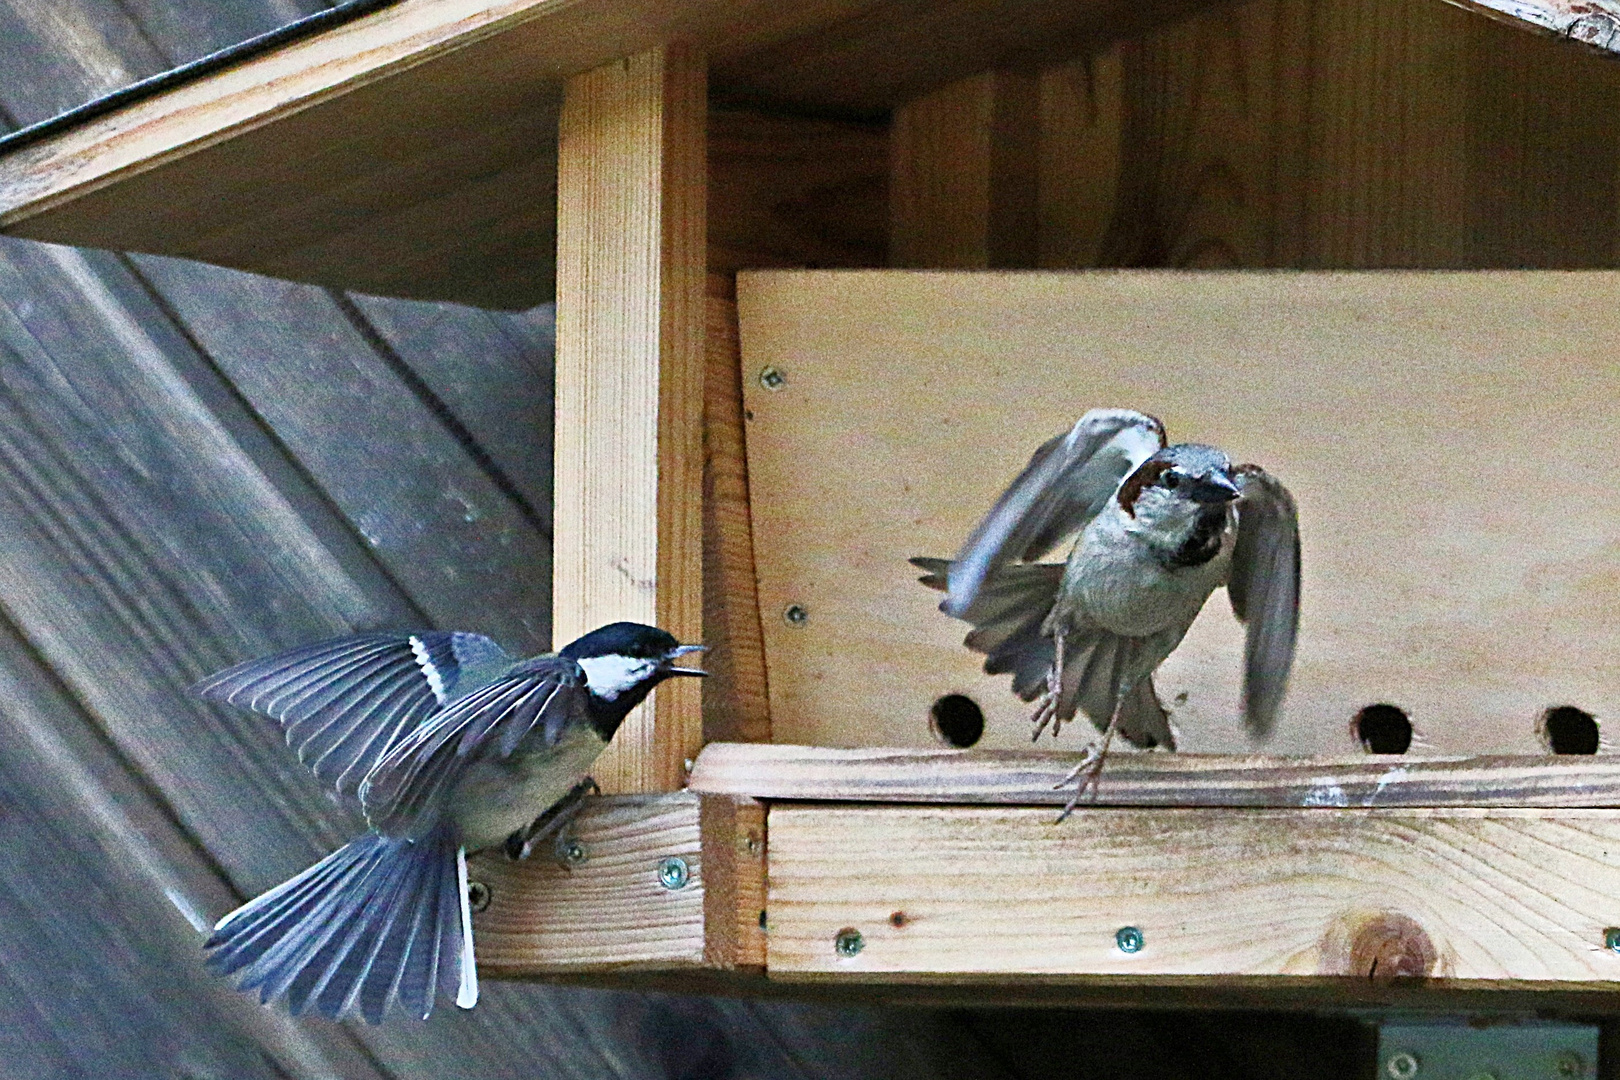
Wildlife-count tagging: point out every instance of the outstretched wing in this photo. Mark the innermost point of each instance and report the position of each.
(1264, 588)
(343, 703)
(546, 692)
(1067, 481)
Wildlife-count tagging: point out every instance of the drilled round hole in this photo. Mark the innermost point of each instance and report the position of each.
(1568, 730)
(957, 719)
(1382, 729)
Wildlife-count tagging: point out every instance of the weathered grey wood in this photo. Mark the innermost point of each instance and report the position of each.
(436, 520)
(1036, 778)
(99, 888)
(492, 370)
(62, 54)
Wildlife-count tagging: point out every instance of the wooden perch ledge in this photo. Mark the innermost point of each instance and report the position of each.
(1031, 778)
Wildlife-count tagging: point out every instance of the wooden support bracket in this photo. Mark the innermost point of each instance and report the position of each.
(628, 541)
(663, 882)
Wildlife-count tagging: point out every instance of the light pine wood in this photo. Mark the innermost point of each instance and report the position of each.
(734, 883)
(1035, 778)
(1430, 582)
(628, 539)
(735, 705)
(610, 910)
(964, 163)
(1500, 897)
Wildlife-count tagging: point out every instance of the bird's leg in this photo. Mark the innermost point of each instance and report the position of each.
(1089, 771)
(1047, 711)
(554, 822)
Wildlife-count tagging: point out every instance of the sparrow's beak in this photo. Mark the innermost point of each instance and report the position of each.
(679, 651)
(1214, 488)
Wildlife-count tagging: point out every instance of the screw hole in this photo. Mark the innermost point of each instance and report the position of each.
(1382, 729)
(957, 719)
(478, 895)
(1568, 730)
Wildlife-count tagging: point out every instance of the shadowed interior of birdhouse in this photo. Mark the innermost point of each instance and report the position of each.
(1429, 425)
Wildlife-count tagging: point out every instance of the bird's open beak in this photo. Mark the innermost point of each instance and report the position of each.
(682, 650)
(1214, 488)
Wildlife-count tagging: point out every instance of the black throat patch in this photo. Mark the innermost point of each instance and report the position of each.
(1203, 540)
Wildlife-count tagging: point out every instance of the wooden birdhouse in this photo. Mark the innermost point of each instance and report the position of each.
(825, 274)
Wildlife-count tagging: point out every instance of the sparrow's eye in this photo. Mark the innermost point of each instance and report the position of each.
(1170, 480)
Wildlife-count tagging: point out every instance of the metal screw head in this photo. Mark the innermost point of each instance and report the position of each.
(795, 614)
(478, 895)
(772, 379)
(848, 942)
(574, 853)
(673, 873)
(1569, 1063)
(1129, 939)
(1611, 938)
(1401, 1065)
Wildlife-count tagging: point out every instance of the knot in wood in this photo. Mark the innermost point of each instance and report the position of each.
(1378, 945)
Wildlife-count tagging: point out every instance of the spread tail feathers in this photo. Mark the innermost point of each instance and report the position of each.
(377, 920)
(1007, 615)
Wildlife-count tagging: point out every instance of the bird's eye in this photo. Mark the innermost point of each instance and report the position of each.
(1170, 480)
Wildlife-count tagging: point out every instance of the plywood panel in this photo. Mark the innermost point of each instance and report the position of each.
(1505, 896)
(1431, 426)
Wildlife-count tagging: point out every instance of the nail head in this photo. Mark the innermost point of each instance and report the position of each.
(848, 942)
(1129, 939)
(478, 895)
(795, 615)
(772, 378)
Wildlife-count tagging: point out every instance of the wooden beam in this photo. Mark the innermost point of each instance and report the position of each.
(963, 175)
(1034, 778)
(628, 540)
(1513, 898)
(734, 846)
(625, 904)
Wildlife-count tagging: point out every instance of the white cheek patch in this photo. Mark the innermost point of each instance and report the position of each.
(610, 676)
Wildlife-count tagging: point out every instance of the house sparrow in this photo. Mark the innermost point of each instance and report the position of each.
(1160, 527)
(451, 746)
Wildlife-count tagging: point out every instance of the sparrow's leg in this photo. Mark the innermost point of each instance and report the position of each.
(1089, 771)
(554, 823)
(1046, 711)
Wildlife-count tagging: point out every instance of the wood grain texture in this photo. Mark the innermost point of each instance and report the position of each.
(1034, 778)
(963, 175)
(1406, 376)
(1504, 897)
(1081, 116)
(1595, 23)
(1303, 133)
(735, 702)
(734, 860)
(796, 191)
(420, 188)
(610, 910)
(628, 533)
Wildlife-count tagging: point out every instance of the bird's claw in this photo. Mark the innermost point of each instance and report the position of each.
(1089, 774)
(554, 823)
(1046, 710)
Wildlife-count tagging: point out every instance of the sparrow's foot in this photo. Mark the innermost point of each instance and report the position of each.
(1084, 776)
(553, 823)
(1088, 774)
(1045, 713)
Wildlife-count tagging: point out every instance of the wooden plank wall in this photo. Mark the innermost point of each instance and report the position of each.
(198, 466)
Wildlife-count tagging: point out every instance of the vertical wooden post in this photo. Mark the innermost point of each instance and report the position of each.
(631, 231)
(963, 175)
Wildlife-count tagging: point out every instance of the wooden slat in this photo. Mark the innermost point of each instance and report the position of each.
(1505, 897)
(911, 399)
(734, 859)
(628, 532)
(963, 175)
(1595, 23)
(735, 705)
(609, 911)
(1033, 778)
